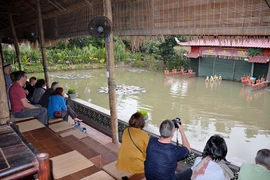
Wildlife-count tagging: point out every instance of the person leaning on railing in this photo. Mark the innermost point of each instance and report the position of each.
(258, 171)
(162, 156)
(131, 155)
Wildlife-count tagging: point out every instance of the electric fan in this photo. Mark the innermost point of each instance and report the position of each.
(100, 27)
(31, 36)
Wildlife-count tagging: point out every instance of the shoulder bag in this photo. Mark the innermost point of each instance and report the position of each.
(133, 141)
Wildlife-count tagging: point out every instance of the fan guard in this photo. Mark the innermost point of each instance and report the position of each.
(100, 27)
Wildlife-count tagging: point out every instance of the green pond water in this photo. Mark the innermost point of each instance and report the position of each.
(227, 108)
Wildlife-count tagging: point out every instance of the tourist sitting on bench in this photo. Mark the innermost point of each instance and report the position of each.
(57, 107)
(162, 156)
(20, 106)
(258, 171)
(212, 164)
(44, 100)
(132, 153)
(30, 87)
(39, 90)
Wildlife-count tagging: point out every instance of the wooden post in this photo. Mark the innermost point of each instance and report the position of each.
(268, 74)
(110, 75)
(252, 70)
(42, 45)
(44, 166)
(1, 52)
(17, 49)
(4, 110)
(234, 66)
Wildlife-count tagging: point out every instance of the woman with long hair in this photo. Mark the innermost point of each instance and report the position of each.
(132, 153)
(57, 103)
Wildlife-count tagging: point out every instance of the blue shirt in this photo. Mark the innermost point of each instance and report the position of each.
(161, 160)
(56, 103)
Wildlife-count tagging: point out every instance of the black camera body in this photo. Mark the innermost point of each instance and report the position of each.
(175, 121)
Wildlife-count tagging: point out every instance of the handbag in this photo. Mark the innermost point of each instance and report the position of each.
(57, 114)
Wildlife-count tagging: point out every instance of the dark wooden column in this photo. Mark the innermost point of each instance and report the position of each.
(17, 49)
(110, 72)
(4, 110)
(42, 44)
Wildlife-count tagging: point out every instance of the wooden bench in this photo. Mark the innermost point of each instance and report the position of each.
(55, 120)
(18, 157)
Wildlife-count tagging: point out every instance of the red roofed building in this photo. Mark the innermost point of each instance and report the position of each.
(230, 58)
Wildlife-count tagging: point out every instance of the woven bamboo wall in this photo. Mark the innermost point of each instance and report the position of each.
(155, 17)
(198, 17)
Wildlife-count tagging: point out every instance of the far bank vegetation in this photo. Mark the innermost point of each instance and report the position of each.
(88, 52)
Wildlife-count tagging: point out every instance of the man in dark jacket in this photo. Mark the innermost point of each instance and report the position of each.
(44, 100)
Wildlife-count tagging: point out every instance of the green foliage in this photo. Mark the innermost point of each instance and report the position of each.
(61, 45)
(120, 53)
(81, 42)
(72, 91)
(166, 52)
(254, 51)
(143, 112)
(152, 48)
(89, 52)
(179, 61)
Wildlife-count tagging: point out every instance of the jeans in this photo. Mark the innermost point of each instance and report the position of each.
(68, 112)
(39, 113)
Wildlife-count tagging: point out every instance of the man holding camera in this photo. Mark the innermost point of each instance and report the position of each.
(162, 156)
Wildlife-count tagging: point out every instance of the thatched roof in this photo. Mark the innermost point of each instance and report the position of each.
(69, 18)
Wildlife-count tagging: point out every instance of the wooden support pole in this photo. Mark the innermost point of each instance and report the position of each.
(44, 166)
(110, 75)
(4, 111)
(1, 53)
(252, 70)
(268, 74)
(42, 44)
(17, 49)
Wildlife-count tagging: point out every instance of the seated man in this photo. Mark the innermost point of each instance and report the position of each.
(31, 87)
(19, 104)
(44, 101)
(162, 156)
(258, 171)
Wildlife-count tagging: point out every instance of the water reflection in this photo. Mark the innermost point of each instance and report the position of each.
(224, 107)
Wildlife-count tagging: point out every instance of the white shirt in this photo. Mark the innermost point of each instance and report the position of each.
(213, 171)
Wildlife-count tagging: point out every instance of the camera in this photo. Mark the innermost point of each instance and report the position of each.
(175, 121)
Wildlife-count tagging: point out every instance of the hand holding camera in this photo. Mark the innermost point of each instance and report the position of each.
(176, 121)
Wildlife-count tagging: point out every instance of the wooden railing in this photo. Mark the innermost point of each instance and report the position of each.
(99, 118)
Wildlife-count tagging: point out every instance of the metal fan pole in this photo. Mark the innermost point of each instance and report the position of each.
(110, 69)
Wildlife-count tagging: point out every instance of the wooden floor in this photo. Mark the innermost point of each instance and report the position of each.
(96, 147)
